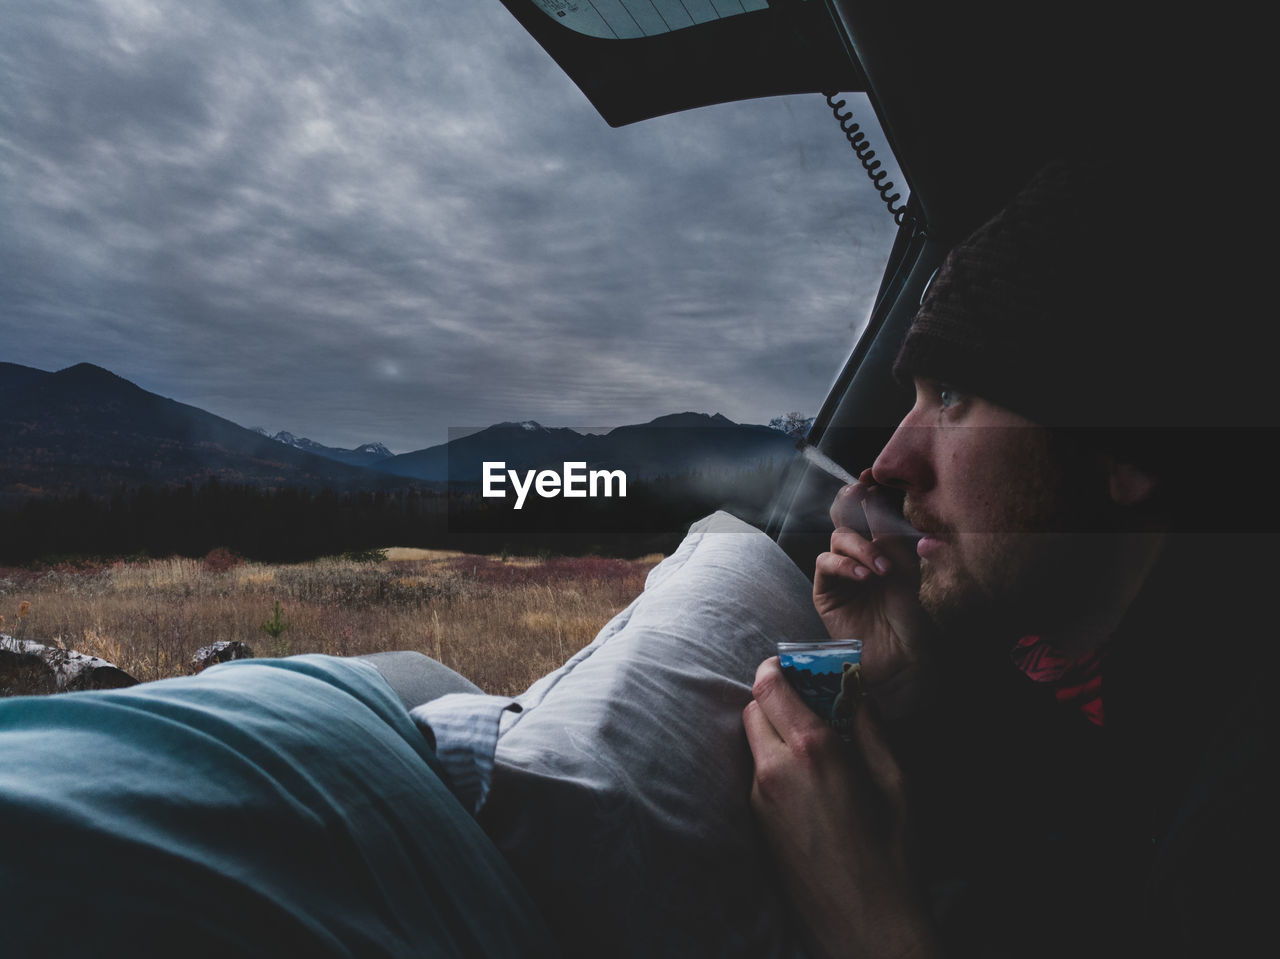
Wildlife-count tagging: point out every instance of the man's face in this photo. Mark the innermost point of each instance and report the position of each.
(1002, 503)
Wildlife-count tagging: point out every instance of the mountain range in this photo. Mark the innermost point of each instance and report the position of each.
(85, 428)
(364, 455)
(669, 445)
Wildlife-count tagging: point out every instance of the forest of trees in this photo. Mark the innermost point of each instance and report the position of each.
(293, 524)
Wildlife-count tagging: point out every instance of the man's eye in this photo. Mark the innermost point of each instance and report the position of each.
(947, 397)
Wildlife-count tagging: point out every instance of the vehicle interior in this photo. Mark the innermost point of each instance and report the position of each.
(611, 827)
(972, 98)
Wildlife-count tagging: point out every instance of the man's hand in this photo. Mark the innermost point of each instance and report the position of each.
(867, 588)
(835, 818)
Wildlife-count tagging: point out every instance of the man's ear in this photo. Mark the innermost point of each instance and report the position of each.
(1130, 484)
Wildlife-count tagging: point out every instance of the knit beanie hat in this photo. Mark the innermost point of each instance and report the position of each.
(1046, 310)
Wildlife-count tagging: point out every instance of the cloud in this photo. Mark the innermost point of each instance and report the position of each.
(375, 221)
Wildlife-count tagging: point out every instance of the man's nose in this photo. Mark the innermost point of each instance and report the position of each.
(904, 461)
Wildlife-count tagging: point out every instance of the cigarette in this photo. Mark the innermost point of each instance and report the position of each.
(824, 462)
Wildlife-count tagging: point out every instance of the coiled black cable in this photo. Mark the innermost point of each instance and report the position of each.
(862, 147)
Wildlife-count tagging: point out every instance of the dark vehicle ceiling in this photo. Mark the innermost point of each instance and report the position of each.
(973, 96)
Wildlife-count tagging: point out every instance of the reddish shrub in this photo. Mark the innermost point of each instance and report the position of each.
(220, 559)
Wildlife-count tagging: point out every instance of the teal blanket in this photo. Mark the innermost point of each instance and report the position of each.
(266, 807)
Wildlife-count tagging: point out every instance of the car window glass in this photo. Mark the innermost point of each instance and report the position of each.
(375, 223)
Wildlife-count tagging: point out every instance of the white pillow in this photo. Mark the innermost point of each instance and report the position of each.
(621, 791)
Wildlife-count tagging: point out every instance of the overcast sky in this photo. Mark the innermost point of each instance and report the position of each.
(380, 220)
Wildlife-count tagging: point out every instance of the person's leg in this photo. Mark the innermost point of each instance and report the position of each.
(417, 678)
(265, 807)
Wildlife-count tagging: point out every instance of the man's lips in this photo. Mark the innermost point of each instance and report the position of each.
(927, 546)
(932, 533)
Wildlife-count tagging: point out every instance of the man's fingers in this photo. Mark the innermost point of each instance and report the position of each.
(869, 527)
(831, 574)
(791, 720)
(863, 551)
(761, 736)
(892, 534)
(846, 508)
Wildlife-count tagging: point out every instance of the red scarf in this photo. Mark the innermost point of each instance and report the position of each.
(1075, 681)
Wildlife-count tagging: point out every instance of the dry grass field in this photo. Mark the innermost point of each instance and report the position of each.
(500, 621)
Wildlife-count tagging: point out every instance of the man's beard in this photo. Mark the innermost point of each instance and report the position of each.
(954, 598)
(951, 597)
(957, 600)
(997, 585)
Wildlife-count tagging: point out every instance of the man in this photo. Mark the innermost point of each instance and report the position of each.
(1062, 750)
